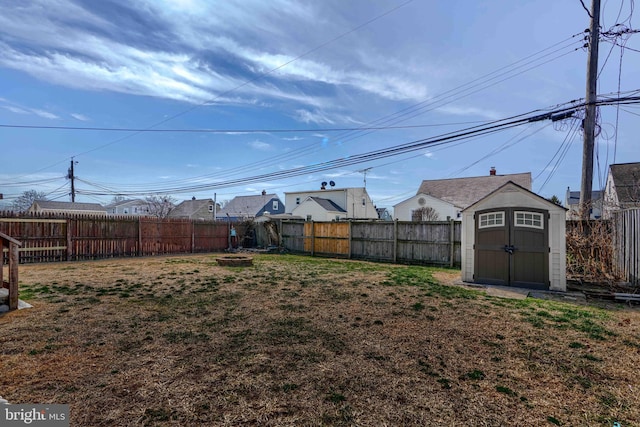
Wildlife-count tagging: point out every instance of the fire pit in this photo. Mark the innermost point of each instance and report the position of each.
(235, 261)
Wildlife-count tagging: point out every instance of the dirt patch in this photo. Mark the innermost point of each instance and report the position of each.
(308, 341)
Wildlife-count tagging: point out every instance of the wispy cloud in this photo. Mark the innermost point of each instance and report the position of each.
(259, 145)
(15, 109)
(470, 111)
(200, 55)
(80, 117)
(31, 111)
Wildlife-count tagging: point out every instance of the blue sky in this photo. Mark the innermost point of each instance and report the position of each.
(417, 69)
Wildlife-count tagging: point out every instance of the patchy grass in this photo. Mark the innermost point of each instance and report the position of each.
(309, 341)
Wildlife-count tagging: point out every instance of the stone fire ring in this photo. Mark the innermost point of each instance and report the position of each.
(235, 261)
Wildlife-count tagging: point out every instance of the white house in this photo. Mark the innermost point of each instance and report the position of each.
(572, 202)
(447, 197)
(331, 204)
(412, 208)
(128, 207)
(623, 188)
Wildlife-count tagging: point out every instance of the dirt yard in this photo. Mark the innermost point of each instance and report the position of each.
(298, 341)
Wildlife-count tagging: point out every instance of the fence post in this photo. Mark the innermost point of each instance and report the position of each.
(13, 275)
(139, 250)
(193, 236)
(313, 239)
(69, 241)
(350, 229)
(451, 242)
(395, 241)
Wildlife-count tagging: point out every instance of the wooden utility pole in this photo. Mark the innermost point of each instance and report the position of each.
(72, 177)
(589, 123)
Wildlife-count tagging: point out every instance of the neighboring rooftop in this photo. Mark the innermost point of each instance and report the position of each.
(626, 178)
(246, 205)
(67, 206)
(327, 204)
(463, 192)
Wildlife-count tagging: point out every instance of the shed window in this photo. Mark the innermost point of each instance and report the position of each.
(491, 219)
(529, 219)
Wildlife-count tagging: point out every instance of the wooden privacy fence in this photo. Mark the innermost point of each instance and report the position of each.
(432, 243)
(56, 238)
(626, 244)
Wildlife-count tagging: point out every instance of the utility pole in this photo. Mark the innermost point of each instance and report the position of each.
(71, 176)
(589, 123)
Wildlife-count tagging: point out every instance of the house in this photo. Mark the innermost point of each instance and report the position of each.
(572, 202)
(383, 214)
(248, 207)
(193, 209)
(128, 207)
(448, 197)
(623, 188)
(423, 207)
(513, 237)
(46, 206)
(331, 204)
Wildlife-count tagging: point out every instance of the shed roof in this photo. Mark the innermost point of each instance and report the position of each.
(517, 187)
(462, 192)
(626, 178)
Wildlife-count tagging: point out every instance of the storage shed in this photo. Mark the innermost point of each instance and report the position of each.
(513, 237)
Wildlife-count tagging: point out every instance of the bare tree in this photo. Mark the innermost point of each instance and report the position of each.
(426, 213)
(26, 199)
(160, 206)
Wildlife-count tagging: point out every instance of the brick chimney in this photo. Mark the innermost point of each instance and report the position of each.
(492, 171)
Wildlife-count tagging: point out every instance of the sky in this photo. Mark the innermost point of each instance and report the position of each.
(196, 98)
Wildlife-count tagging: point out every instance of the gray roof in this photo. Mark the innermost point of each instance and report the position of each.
(463, 192)
(188, 208)
(246, 205)
(69, 206)
(626, 178)
(574, 197)
(327, 204)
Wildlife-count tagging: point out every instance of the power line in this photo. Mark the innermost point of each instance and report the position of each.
(464, 134)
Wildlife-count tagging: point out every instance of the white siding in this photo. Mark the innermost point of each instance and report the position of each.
(512, 196)
(402, 211)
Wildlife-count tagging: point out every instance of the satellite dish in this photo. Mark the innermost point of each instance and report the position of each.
(331, 183)
(324, 183)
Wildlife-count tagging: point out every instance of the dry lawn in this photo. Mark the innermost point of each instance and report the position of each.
(298, 341)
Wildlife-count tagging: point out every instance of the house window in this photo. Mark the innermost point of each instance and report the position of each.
(126, 211)
(529, 219)
(309, 217)
(274, 206)
(364, 202)
(135, 210)
(297, 200)
(491, 219)
(210, 208)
